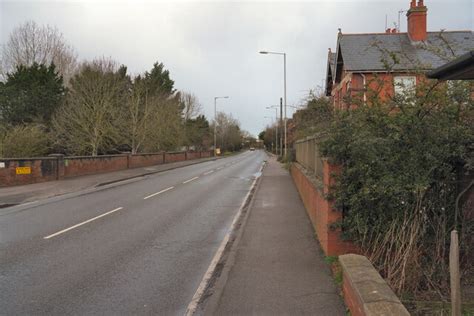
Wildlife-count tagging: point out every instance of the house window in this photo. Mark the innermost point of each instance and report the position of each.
(404, 85)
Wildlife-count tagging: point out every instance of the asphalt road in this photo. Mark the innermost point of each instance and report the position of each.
(140, 247)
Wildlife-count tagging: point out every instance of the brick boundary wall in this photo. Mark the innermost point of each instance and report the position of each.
(59, 167)
(364, 290)
(313, 193)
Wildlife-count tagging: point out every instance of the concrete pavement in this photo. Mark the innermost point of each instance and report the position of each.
(276, 266)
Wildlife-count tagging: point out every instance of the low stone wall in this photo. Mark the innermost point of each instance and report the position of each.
(19, 171)
(365, 292)
(313, 192)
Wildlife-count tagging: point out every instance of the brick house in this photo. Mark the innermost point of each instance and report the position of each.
(392, 61)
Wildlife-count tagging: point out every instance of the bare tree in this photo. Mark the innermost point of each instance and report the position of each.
(229, 135)
(30, 42)
(166, 128)
(89, 121)
(191, 105)
(138, 115)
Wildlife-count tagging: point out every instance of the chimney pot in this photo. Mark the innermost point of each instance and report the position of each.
(417, 16)
(394, 30)
(387, 30)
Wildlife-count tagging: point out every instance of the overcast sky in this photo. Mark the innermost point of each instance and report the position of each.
(211, 48)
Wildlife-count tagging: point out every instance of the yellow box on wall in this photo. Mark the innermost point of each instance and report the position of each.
(23, 170)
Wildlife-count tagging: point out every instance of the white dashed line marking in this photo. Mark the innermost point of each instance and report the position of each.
(192, 179)
(209, 172)
(162, 191)
(85, 222)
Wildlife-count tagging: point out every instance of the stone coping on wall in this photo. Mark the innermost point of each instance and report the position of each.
(29, 159)
(365, 291)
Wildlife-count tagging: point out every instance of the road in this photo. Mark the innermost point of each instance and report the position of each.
(140, 247)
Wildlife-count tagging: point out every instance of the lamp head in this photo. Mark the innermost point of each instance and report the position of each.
(263, 52)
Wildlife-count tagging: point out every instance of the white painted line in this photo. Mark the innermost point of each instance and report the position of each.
(162, 191)
(218, 255)
(187, 181)
(28, 203)
(209, 172)
(220, 168)
(85, 222)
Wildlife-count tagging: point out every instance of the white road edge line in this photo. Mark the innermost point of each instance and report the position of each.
(209, 172)
(192, 179)
(85, 222)
(217, 257)
(162, 191)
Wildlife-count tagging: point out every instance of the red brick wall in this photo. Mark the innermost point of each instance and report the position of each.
(174, 157)
(145, 160)
(42, 169)
(321, 211)
(206, 154)
(193, 155)
(351, 299)
(53, 168)
(78, 166)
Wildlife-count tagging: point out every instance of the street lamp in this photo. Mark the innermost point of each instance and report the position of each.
(284, 88)
(215, 120)
(276, 127)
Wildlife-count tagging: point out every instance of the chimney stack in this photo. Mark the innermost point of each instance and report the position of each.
(417, 15)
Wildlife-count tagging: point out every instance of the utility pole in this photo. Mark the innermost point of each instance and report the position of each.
(281, 124)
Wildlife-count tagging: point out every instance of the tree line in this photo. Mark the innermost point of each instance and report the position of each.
(52, 103)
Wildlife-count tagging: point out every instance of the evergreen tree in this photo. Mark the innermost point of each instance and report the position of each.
(31, 94)
(158, 81)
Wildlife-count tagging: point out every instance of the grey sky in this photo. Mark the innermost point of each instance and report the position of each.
(211, 48)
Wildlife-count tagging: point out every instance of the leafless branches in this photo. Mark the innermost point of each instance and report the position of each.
(30, 42)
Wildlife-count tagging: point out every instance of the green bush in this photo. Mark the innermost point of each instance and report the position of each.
(397, 190)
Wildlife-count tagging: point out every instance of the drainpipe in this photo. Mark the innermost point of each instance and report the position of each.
(365, 89)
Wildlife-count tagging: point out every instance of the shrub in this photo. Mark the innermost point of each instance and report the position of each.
(401, 160)
(25, 141)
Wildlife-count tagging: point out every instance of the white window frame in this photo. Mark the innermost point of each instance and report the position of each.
(404, 84)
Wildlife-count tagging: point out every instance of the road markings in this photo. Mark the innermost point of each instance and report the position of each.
(209, 172)
(192, 179)
(220, 168)
(162, 191)
(80, 224)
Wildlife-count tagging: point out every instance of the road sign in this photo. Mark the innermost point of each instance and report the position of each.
(23, 170)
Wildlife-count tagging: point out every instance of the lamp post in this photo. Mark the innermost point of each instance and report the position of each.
(284, 88)
(215, 121)
(276, 127)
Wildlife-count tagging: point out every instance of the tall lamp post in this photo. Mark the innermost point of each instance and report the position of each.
(215, 121)
(284, 88)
